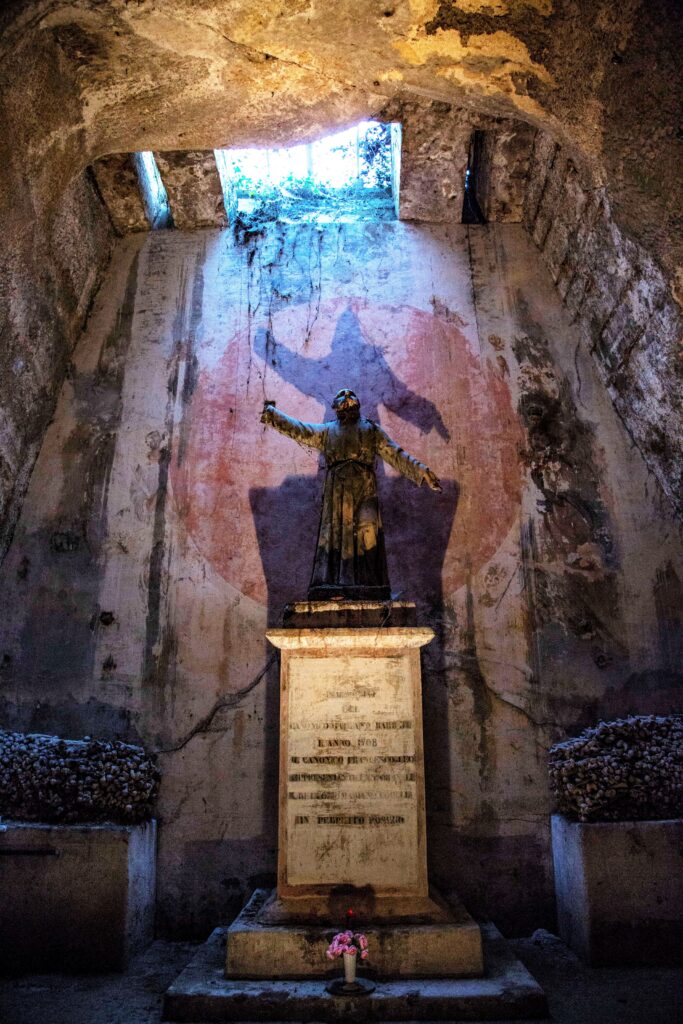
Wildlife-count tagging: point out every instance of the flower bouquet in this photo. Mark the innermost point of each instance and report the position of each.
(352, 946)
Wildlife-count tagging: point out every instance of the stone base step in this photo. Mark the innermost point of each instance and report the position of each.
(507, 992)
(275, 939)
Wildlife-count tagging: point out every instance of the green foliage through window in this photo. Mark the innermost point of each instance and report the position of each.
(343, 177)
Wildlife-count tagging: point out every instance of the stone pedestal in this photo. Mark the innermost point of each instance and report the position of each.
(506, 993)
(619, 889)
(75, 897)
(445, 942)
(352, 821)
(352, 835)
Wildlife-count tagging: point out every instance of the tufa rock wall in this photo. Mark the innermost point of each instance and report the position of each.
(438, 139)
(80, 83)
(619, 296)
(165, 528)
(501, 170)
(117, 180)
(194, 189)
(50, 270)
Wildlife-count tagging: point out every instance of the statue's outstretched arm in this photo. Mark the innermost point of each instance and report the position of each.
(404, 463)
(311, 435)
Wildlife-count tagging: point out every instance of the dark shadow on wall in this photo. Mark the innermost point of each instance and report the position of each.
(417, 522)
(352, 362)
(417, 527)
(286, 522)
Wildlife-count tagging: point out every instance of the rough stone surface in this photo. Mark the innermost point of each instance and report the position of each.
(507, 992)
(117, 180)
(194, 189)
(437, 139)
(550, 568)
(76, 897)
(50, 268)
(502, 171)
(81, 82)
(447, 945)
(619, 296)
(435, 146)
(619, 889)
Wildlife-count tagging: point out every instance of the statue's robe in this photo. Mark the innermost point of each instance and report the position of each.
(350, 558)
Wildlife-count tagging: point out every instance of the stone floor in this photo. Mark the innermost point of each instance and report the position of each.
(576, 994)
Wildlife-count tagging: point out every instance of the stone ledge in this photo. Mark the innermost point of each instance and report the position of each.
(440, 942)
(335, 614)
(201, 993)
(342, 639)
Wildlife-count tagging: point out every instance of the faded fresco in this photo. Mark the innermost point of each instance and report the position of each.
(165, 527)
(231, 478)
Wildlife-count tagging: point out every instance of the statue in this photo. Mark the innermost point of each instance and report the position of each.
(350, 560)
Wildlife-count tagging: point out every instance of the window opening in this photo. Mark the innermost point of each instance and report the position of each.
(471, 211)
(349, 176)
(154, 196)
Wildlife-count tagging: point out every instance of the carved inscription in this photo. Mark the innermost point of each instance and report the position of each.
(351, 772)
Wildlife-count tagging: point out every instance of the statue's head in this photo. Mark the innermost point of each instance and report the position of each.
(346, 405)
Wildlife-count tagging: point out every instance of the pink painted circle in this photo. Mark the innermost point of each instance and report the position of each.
(249, 498)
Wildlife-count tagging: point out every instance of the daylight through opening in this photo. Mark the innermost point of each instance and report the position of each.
(153, 192)
(474, 183)
(351, 175)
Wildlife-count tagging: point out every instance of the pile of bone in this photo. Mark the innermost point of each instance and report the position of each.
(627, 770)
(43, 778)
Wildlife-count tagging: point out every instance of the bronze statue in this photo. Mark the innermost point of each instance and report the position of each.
(350, 560)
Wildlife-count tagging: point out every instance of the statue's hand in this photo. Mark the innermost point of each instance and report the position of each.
(432, 480)
(267, 413)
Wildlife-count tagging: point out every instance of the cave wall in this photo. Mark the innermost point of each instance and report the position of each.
(49, 272)
(81, 82)
(164, 528)
(194, 189)
(616, 292)
(437, 139)
(574, 614)
(119, 186)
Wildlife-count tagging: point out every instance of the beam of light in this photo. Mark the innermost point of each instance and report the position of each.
(154, 196)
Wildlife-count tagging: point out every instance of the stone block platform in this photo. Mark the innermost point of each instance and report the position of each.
(507, 992)
(266, 941)
(619, 890)
(75, 897)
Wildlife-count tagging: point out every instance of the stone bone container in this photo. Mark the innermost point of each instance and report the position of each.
(75, 897)
(619, 889)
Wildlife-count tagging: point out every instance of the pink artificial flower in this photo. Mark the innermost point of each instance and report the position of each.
(355, 944)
